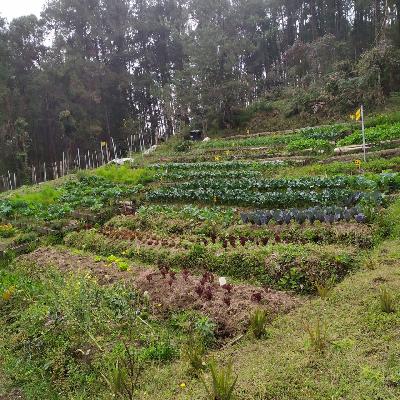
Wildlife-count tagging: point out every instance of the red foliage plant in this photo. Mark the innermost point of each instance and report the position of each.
(228, 287)
(199, 290)
(227, 300)
(185, 273)
(256, 297)
(207, 293)
(164, 271)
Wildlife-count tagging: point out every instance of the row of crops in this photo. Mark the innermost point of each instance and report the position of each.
(280, 193)
(326, 214)
(221, 166)
(383, 182)
(323, 138)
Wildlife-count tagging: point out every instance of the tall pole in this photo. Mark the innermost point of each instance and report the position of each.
(363, 132)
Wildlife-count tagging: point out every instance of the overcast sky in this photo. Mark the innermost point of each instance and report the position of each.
(15, 8)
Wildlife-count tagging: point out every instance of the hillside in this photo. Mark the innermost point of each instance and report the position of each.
(267, 252)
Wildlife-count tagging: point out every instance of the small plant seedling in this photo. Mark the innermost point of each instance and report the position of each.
(317, 334)
(223, 382)
(258, 322)
(371, 264)
(324, 289)
(124, 376)
(387, 301)
(193, 355)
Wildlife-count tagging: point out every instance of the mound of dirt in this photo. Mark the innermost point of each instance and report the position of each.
(228, 305)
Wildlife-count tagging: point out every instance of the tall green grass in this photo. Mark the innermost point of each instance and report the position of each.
(46, 195)
(125, 174)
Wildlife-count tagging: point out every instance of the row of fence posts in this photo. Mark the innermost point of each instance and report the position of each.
(86, 160)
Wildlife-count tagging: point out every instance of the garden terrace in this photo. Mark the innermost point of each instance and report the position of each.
(275, 264)
(317, 141)
(202, 225)
(257, 192)
(169, 291)
(88, 192)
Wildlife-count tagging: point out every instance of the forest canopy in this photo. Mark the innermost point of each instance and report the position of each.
(89, 70)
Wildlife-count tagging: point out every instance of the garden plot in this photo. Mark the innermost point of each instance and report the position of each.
(292, 267)
(303, 143)
(278, 193)
(232, 229)
(228, 304)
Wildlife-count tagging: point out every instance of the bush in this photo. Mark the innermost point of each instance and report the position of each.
(240, 117)
(183, 146)
(389, 222)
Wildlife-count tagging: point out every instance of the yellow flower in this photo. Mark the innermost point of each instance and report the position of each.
(8, 293)
(182, 385)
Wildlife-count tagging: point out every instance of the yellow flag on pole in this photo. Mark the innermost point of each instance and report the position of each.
(103, 144)
(358, 114)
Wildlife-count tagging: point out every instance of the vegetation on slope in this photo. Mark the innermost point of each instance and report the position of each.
(133, 304)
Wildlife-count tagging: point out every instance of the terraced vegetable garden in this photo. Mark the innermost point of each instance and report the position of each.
(128, 281)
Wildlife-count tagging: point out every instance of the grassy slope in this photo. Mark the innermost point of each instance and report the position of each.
(361, 360)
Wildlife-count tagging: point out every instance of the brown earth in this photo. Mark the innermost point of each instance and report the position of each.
(170, 291)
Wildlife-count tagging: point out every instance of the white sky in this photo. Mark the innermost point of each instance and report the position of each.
(10, 9)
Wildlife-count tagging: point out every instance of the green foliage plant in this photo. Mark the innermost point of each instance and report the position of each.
(192, 354)
(387, 301)
(223, 382)
(324, 289)
(258, 322)
(124, 376)
(317, 335)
